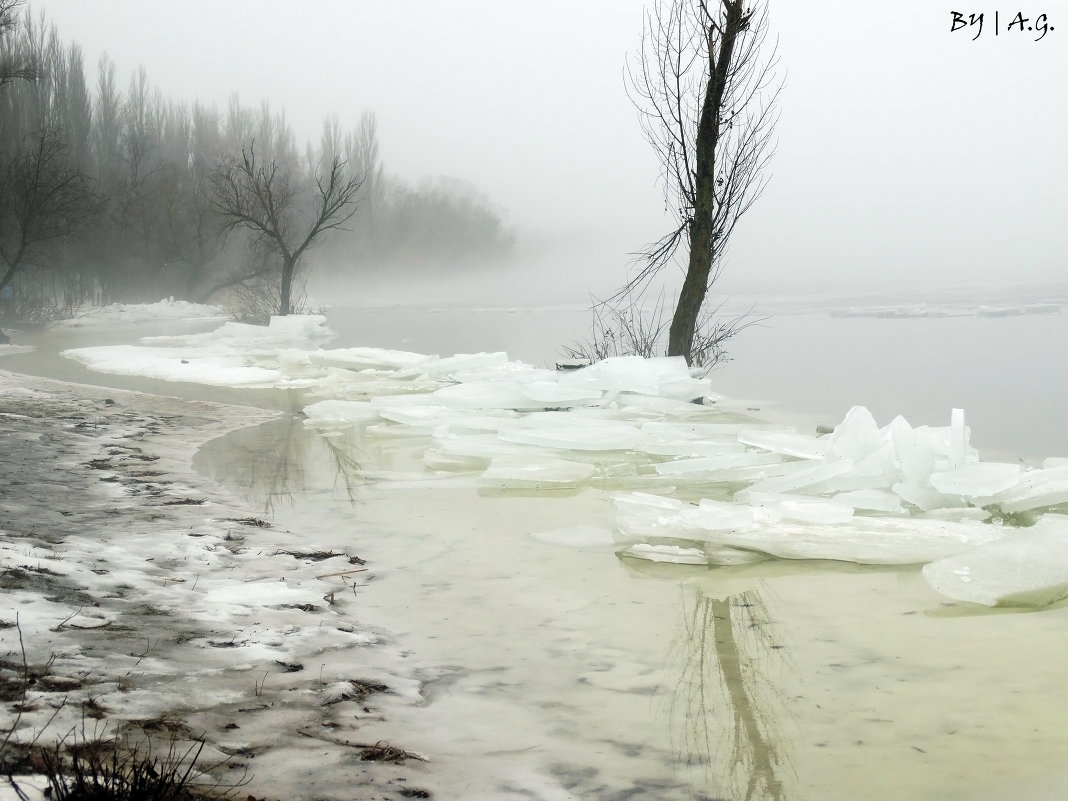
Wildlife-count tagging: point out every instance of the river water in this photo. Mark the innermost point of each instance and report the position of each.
(559, 672)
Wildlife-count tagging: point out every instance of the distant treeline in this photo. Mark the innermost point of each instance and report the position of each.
(107, 195)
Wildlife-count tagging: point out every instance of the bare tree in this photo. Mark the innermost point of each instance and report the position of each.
(43, 198)
(261, 199)
(13, 65)
(707, 96)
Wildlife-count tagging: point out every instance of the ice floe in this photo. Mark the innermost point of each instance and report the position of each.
(1028, 567)
(649, 431)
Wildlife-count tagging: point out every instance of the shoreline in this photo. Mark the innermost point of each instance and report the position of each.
(153, 602)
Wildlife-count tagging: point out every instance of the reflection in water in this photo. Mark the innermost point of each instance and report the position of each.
(725, 694)
(272, 461)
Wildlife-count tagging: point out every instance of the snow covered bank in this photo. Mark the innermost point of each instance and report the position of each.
(151, 601)
(120, 314)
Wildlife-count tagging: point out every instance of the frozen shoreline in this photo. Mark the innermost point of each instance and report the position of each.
(150, 600)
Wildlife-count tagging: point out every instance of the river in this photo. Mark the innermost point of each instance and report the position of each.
(565, 671)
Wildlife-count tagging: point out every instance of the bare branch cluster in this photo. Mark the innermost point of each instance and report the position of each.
(704, 84)
(13, 65)
(260, 198)
(674, 83)
(42, 198)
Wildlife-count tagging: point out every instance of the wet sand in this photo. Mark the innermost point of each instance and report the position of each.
(151, 601)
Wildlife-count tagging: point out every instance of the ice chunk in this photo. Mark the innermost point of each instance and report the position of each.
(561, 433)
(1036, 489)
(709, 463)
(1028, 567)
(339, 412)
(487, 395)
(806, 475)
(978, 479)
(463, 364)
(914, 450)
(873, 500)
(640, 515)
(667, 553)
(368, 358)
(802, 446)
(687, 447)
(170, 364)
(671, 432)
(797, 507)
(856, 436)
(865, 540)
(523, 470)
(958, 438)
(925, 498)
(664, 376)
(711, 515)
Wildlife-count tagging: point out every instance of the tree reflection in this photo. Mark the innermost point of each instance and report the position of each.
(725, 698)
(274, 460)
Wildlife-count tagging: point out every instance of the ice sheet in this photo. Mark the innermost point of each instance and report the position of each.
(1028, 567)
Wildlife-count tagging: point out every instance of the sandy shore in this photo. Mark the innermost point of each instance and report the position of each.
(150, 601)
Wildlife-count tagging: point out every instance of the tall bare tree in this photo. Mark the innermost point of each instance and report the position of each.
(14, 66)
(704, 85)
(258, 197)
(43, 198)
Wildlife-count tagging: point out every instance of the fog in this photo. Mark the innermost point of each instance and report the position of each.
(907, 153)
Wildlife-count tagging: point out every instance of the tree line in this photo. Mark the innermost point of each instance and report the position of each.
(111, 195)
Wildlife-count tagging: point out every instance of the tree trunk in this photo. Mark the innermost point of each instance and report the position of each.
(284, 306)
(702, 225)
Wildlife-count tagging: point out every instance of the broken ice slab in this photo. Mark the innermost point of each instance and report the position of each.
(710, 515)
(677, 431)
(870, 500)
(465, 364)
(927, 499)
(552, 394)
(958, 438)
(487, 395)
(915, 451)
(480, 446)
(664, 376)
(368, 358)
(1028, 567)
(798, 508)
(640, 515)
(334, 413)
(787, 443)
(856, 436)
(807, 474)
(530, 471)
(687, 448)
(977, 479)
(668, 407)
(563, 434)
(673, 554)
(1036, 489)
(877, 470)
(706, 464)
(865, 540)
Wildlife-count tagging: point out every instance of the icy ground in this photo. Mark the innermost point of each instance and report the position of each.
(148, 600)
(695, 479)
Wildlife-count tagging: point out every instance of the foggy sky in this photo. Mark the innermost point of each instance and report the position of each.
(906, 153)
